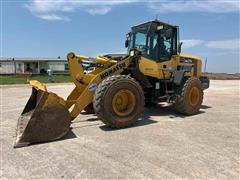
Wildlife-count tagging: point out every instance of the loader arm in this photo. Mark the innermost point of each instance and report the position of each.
(86, 84)
(46, 116)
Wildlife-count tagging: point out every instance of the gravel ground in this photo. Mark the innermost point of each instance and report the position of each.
(162, 145)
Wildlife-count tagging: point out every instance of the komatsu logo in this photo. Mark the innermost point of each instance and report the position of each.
(113, 70)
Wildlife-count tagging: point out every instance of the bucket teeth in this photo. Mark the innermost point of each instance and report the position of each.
(44, 118)
(20, 144)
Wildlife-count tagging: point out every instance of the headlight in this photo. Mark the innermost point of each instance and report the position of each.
(132, 53)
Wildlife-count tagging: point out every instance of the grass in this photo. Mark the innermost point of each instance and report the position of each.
(42, 78)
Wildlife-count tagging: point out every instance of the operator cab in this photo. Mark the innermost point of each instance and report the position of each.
(155, 39)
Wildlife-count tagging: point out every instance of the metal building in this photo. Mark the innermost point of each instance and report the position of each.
(33, 65)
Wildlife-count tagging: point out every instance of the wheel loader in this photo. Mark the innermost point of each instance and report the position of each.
(119, 86)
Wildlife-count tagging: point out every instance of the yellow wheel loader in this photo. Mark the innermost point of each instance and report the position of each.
(119, 86)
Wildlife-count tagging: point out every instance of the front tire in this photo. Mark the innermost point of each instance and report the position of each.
(118, 101)
(189, 97)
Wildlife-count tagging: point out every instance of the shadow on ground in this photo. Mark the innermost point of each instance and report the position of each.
(159, 110)
(205, 107)
(69, 135)
(144, 120)
(168, 110)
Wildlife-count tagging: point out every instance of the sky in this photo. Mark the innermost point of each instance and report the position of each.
(47, 28)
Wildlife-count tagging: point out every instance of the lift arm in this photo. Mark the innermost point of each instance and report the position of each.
(86, 84)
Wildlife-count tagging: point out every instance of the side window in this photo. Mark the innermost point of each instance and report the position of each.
(165, 46)
(174, 42)
(153, 50)
(161, 45)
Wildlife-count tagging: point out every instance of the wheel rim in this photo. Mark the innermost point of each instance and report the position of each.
(123, 102)
(194, 96)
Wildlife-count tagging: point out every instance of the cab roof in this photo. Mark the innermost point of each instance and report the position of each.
(157, 22)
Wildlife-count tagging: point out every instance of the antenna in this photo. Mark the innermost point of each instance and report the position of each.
(205, 65)
(156, 16)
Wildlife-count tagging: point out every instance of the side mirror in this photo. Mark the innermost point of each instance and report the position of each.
(126, 43)
(127, 39)
(180, 47)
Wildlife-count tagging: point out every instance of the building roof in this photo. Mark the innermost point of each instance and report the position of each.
(29, 59)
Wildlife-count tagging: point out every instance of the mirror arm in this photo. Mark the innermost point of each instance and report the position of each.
(180, 47)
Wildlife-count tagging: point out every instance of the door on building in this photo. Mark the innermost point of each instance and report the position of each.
(31, 67)
(19, 67)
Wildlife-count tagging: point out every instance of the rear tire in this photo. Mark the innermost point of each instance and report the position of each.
(118, 101)
(189, 97)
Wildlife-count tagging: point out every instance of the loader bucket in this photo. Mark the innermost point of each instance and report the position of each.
(44, 118)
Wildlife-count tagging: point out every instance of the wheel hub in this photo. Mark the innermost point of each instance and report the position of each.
(194, 96)
(123, 102)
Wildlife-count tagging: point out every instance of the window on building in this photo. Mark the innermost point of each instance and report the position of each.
(19, 67)
(0, 64)
(66, 67)
(29, 69)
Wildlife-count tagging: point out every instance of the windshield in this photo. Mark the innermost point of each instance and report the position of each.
(138, 38)
(152, 40)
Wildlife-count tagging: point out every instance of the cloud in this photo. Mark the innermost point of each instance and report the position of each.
(191, 43)
(99, 11)
(53, 17)
(42, 8)
(183, 6)
(230, 44)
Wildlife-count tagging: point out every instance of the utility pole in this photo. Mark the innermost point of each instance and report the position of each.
(205, 65)
(15, 68)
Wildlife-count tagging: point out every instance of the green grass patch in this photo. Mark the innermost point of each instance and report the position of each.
(42, 78)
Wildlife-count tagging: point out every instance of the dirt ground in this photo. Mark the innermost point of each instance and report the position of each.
(223, 76)
(162, 145)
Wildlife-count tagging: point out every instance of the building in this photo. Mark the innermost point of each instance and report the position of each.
(33, 65)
